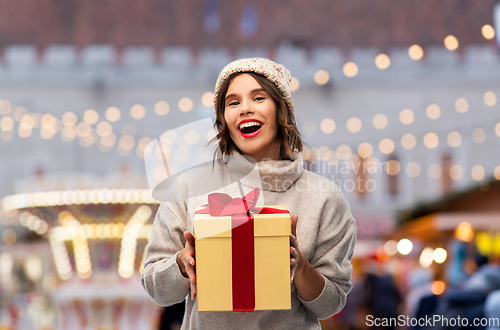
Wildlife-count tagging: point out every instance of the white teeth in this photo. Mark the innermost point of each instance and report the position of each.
(249, 123)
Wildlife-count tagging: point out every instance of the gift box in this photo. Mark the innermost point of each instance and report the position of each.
(242, 254)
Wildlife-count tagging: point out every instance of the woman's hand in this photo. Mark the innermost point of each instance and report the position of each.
(186, 262)
(296, 257)
(308, 281)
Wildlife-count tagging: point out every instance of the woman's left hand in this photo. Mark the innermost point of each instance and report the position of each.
(296, 257)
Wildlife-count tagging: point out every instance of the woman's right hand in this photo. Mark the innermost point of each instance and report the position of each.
(186, 262)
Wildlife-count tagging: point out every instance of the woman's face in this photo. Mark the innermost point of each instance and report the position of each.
(249, 104)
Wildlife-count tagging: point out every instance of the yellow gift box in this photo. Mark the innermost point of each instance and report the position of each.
(215, 241)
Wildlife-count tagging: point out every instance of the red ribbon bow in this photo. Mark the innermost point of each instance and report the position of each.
(242, 243)
(220, 204)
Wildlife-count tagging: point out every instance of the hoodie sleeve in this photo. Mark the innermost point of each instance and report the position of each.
(332, 256)
(162, 278)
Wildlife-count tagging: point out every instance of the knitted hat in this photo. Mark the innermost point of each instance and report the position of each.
(274, 72)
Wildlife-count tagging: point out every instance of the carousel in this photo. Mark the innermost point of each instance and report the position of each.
(96, 229)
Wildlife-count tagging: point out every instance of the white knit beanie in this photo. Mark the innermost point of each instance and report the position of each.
(273, 71)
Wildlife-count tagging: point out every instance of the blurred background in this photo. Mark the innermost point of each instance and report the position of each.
(396, 101)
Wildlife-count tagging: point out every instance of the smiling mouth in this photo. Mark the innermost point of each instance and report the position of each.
(250, 129)
(249, 132)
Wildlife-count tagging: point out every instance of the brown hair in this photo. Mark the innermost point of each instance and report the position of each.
(289, 138)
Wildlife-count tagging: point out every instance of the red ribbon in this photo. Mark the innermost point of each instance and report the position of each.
(242, 243)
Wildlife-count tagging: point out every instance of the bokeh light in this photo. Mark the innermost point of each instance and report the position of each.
(391, 247)
(7, 123)
(5, 107)
(113, 114)
(344, 151)
(478, 173)
(90, 116)
(185, 104)
(126, 142)
(350, 69)
(488, 31)
(386, 146)
(479, 135)
(392, 167)
(68, 133)
(456, 172)
(438, 287)
(207, 99)
(327, 126)
(464, 232)
(431, 140)
(426, 257)
(380, 121)
(141, 146)
(294, 84)
(19, 112)
(309, 128)
(323, 153)
(69, 119)
(490, 99)
(104, 128)
(415, 52)
(137, 111)
(434, 171)
(306, 153)
(9, 236)
(406, 116)
(408, 141)
(451, 42)
(413, 169)
(83, 129)
(108, 140)
(162, 108)
(353, 125)
(382, 61)
(461, 105)
(210, 134)
(24, 130)
(439, 255)
(433, 111)
(321, 77)
(365, 150)
(454, 139)
(405, 246)
(28, 121)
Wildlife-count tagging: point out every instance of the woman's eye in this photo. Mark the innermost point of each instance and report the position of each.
(259, 98)
(233, 103)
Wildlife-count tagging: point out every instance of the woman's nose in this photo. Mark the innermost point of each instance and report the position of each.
(246, 107)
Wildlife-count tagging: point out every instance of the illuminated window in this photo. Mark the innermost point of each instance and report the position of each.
(393, 169)
(361, 176)
(446, 163)
(248, 22)
(211, 23)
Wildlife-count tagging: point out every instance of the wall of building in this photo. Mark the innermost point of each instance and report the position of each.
(67, 79)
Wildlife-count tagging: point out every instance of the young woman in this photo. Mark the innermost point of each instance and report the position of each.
(257, 134)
